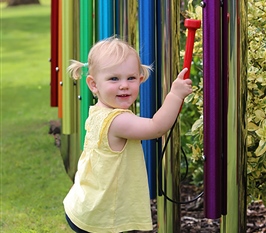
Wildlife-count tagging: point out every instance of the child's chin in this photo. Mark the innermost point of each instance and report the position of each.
(123, 107)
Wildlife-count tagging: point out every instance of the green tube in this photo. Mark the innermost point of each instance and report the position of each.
(67, 54)
(86, 41)
(70, 137)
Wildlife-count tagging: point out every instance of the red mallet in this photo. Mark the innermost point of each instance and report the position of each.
(192, 25)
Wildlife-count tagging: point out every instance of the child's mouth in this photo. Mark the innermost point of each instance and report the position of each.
(124, 95)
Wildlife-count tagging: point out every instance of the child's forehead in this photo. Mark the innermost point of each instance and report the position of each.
(114, 59)
(115, 51)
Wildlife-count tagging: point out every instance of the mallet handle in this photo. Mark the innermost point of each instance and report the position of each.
(192, 25)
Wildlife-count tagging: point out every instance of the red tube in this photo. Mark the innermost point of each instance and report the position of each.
(54, 54)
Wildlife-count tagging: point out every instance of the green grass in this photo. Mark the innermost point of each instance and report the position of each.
(33, 179)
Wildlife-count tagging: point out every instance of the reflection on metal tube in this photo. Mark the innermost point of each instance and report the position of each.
(242, 122)
(235, 220)
(126, 19)
(175, 143)
(121, 18)
(168, 60)
(132, 11)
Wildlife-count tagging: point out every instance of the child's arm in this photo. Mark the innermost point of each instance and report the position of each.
(130, 126)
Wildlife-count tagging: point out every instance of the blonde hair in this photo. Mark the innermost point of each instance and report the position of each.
(111, 46)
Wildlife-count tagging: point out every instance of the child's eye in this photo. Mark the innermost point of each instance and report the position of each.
(113, 79)
(131, 78)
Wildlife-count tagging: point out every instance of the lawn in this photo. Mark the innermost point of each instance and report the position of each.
(33, 179)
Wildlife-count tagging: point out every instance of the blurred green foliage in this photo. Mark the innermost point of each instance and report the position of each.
(256, 104)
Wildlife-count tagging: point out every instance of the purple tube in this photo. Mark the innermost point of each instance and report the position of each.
(212, 108)
(225, 74)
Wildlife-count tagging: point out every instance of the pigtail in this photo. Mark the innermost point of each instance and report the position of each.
(74, 69)
(145, 71)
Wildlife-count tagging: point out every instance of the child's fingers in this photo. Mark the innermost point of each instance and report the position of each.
(188, 81)
(182, 73)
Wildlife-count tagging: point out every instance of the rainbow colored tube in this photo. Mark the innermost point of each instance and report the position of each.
(54, 54)
(68, 126)
(60, 81)
(86, 41)
(212, 110)
(148, 89)
(105, 18)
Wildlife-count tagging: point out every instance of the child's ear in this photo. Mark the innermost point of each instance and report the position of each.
(91, 84)
(141, 78)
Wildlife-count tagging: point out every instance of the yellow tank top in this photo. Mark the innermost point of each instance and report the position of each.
(110, 192)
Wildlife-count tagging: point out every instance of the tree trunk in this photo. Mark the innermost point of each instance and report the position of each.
(22, 2)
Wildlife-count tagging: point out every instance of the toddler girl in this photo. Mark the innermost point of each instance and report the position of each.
(110, 191)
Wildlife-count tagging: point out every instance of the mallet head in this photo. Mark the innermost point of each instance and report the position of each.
(192, 24)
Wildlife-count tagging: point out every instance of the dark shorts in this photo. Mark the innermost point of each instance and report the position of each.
(74, 227)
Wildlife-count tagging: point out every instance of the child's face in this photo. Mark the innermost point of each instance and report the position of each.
(118, 86)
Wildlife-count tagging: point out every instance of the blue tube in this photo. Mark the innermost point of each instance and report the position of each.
(148, 89)
(105, 19)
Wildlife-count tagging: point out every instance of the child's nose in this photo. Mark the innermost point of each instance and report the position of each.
(123, 85)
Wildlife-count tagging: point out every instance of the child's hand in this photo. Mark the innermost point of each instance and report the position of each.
(181, 87)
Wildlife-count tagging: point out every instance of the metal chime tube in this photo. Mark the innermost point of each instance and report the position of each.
(224, 75)
(60, 81)
(105, 18)
(235, 220)
(86, 41)
(54, 54)
(168, 28)
(148, 89)
(132, 19)
(70, 151)
(126, 27)
(67, 54)
(212, 110)
(122, 19)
